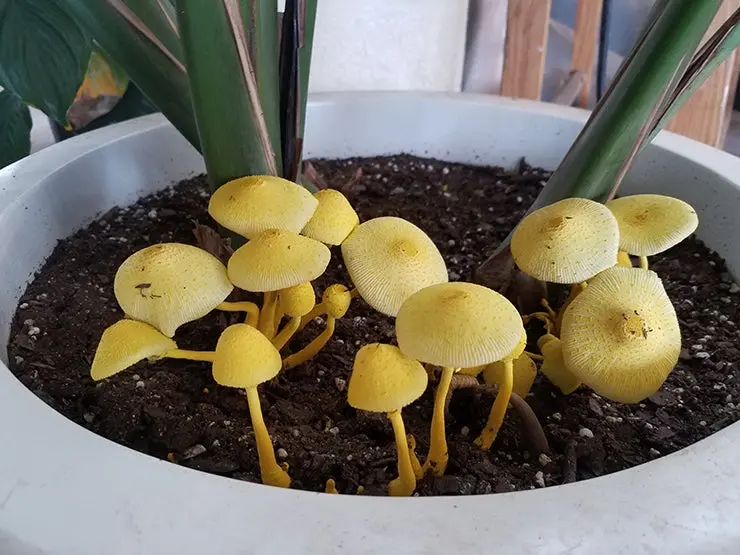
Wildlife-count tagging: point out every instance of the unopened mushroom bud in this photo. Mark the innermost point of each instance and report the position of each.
(253, 204)
(295, 302)
(170, 284)
(621, 336)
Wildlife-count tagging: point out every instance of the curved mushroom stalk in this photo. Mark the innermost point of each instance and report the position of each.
(525, 371)
(287, 333)
(252, 310)
(267, 314)
(272, 473)
(405, 484)
(323, 307)
(437, 457)
(498, 410)
(313, 348)
(415, 464)
(204, 356)
(553, 365)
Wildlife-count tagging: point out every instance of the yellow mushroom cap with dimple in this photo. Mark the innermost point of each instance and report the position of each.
(333, 220)
(569, 241)
(650, 224)
(277, 259)
(245, 358)
(124, 344)
(384, 379)
(389, 259)
(253, 204)
(297, 301)
(620, 336)
(169, 284)
(460, 325)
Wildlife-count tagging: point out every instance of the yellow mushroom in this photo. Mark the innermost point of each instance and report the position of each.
(651, 224)
(296, 302)
(568, 242)
(389, 259)
(273, 261)
(623, 259)
(333, 220)
(335, 300)
(253, 204)
(553, 365)
(459, 325)
(620, 336)
(128, 341)
(384, 380)
(525, 371)
(169, 284)
(245, 358)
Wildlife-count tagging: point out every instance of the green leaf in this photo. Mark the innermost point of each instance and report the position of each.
(231, 124)
(43, 54)
(305, 56)
(129, 40)
(15, 128)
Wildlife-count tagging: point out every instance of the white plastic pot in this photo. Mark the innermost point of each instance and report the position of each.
(64, 490)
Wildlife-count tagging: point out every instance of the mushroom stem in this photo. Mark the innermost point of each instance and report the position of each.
(498, 410)
(575, 290)
(643, 262)
(252, 310)
(438, 457)
(534, 356)
(354, 292)
(550, 312)
(318, 310)
(415, 464)
(272, 474)
(405, 484)
(282, 338)
(267, 314)
(312, 349)
(205, 356)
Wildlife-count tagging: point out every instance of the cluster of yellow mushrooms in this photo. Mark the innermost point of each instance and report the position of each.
(617, 332)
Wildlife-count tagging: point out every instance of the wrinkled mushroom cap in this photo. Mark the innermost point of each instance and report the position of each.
(650, 224)
(569, 241)
(124, 344)
(390, 259)
(297, 301)
(277, 259)
(620, 336)
(458, 325)
(333, 220)
(336, 300)
(169, 284)
(253, 204)
(383, 379)
(245, 358)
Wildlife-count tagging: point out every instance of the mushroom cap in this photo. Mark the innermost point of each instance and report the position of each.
(620, 336)
(333, 220)
(124, 344)
(277, 259)
(459, 325)
(649, 224)
(253, 204)
(336, 300)
(297, 301)
(525, 372)
(169, 284)
(383, 379)
(245, 358)
(566, 242)
(390, 259)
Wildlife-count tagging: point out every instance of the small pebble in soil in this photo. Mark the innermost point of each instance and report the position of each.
(464, 431)
(193, 451)
(334, 430)
(340, 383)
(585, 432)
(89, 417)
(653, 452)
(136, 377)
(539, 479)
(544, 459)
(281, 453)
(140, 385)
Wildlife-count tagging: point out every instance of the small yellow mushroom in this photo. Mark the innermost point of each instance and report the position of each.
(128, 341)
(651, 224)
(623, 259)
(458, 325)
(553, 365)
(245, 358)
(331, 486)
(169, 284)
(253, 204)
(525, 371)
(568, 242)
(621, 336)
(389, 259)
(335, 300)
(384, 380)
(273, 261)
(296, 302)
(333, 220)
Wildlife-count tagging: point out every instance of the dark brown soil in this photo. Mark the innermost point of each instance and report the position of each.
(173, 408)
